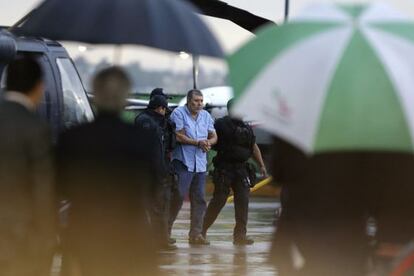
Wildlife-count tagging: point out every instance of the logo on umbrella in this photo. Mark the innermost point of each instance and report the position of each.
(282, 111)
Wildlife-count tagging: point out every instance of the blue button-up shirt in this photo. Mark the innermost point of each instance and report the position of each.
(193, 157)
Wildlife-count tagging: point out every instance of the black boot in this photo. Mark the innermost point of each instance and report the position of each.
(243, 241)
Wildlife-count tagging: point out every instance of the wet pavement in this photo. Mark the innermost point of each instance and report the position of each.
(221, 257)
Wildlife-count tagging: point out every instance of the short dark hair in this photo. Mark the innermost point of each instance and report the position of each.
(111, 87)
(23, 74)
(113, 72)
(193, 92)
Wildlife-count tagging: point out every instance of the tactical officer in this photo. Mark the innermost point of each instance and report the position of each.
(154, 119)
(236, 144)
(160, 92)
(170, 141)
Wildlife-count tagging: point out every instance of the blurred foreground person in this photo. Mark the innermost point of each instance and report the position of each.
(27, 206)
(154, 120)
(236, 144)
(105, 171)
(326, 201)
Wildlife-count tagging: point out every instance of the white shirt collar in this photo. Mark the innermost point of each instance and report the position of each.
(20, 98)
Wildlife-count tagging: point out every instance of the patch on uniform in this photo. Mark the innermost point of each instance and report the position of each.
(146, 125)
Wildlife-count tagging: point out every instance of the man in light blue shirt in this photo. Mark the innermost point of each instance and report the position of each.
(195, 135)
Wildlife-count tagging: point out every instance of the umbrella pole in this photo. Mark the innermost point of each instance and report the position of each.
(21, 20)
(24, 18)
(286, 11)
(195, 70)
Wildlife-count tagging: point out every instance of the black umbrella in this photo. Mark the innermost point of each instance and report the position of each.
(223, 10)
(165, 24)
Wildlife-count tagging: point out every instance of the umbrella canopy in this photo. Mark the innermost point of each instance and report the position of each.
(223, 10)
(337, 78)
(165, 24)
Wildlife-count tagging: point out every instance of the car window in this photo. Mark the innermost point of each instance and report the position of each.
(77, 109)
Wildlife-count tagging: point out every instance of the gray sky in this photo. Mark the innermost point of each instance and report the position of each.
(229, 35)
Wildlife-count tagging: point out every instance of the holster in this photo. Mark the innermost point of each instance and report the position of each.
(244, 172)
(251, 174)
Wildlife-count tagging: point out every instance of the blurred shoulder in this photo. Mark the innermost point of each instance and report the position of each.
(205, 113)
(206, 116)
(221, 120)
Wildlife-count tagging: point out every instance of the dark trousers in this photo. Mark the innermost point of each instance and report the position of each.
(332, 246)
(194, 184)
(160, 210)
(223, 181)
(100, 245)
(27, 264)
(22, 251)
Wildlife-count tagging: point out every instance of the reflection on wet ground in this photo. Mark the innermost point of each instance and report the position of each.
(222, 257)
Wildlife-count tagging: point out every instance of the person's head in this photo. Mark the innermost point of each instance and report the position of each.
(195, 101)
(159, 104)
(229, 106)
(111, 87)
(160, 92)
(24, 75)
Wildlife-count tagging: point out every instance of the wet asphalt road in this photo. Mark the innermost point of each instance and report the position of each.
(221, 257)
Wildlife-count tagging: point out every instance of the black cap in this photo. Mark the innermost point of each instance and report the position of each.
(157, 101)
(160, 92)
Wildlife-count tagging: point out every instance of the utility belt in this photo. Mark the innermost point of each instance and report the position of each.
(244, 171)
(231, 165)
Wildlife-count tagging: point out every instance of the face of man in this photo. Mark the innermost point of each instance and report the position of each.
(195, 105)
(161, 110)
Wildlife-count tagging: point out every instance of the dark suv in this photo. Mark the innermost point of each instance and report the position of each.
(65, 102)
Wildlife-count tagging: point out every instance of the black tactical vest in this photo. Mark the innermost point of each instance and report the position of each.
(236, 141)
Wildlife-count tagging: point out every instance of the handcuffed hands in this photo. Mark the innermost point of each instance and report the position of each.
(204, 145)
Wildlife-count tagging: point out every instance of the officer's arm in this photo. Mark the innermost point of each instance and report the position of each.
(212, 135)
(212, 138)
(257, 156)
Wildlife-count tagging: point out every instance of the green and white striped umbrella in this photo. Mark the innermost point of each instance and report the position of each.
(336, 78)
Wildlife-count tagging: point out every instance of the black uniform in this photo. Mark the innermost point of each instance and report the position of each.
(231, 170)
(164, 129)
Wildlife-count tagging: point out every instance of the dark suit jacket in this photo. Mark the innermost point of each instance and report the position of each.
(27, 206)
